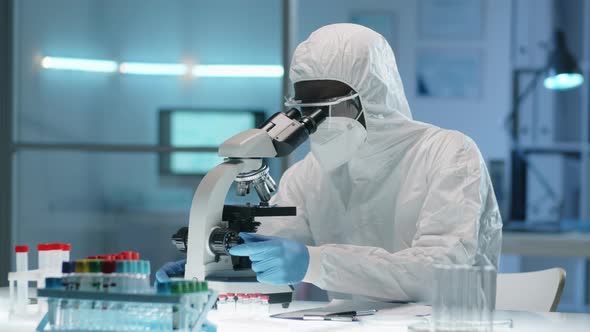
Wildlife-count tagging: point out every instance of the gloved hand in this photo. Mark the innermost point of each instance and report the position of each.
(275, 260)
(171, 269)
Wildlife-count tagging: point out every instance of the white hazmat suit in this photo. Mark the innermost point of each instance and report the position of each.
(414, 195)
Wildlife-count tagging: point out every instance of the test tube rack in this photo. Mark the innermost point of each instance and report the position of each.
(182, 317)
(24, 277)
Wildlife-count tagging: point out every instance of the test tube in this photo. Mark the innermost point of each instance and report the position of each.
(231, 302)
(43, 252)
(67, 268)
(108, 268)
(22, 265)
(51, 256)
(176, 288)
(76, 276)
(95, 277)
(488, 288)
(95, 268)
(470, 305)
(145, 276)
(130, 277)
(53, 309)
(123, 269)
(79, 279)
(250, 303)
(442, 301)
(55, 257)
(264, 305)
(135, 276)
(222, 303)
(242, 304)
(118, 277)
(460, 284)
(164, 311)
(66, 248)
(204, 293)
(255, 303)
(83, 280)
(68, 283)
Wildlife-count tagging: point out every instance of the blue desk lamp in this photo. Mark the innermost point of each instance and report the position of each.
(562, 71)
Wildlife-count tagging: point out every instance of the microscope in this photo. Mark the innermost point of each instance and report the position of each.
(214, 227)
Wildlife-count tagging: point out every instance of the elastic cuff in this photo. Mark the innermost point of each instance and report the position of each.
(315, 265)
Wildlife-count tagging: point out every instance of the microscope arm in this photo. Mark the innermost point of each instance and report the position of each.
(206, 212)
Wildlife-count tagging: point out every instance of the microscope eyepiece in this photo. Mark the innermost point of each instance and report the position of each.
(313, 120)
(293, 114)
(289, 129)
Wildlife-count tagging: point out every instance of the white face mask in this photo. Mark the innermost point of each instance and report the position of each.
(337, 141)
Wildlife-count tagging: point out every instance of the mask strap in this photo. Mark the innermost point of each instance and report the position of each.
(298, 103)
(359, 115)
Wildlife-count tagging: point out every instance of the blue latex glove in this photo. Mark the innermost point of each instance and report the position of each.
(275, 260)
(170, 269)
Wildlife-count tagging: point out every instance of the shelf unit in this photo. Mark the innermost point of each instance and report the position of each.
(551, 129)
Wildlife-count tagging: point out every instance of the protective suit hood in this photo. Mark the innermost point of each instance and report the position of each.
(358, 57)
(362, 59)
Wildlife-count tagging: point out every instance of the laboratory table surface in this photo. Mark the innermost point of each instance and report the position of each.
(564, 244)
(385, 320)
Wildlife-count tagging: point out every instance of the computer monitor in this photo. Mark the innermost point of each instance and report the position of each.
(203, 127)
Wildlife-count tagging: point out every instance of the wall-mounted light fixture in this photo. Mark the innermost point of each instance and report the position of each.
(165, 69)
(237, 71)
(104, 66)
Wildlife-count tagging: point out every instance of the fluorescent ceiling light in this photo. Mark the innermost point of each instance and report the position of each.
(238, 71)
(144, 68)
(104, 66)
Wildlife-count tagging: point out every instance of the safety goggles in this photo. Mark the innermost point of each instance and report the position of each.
(348, 106)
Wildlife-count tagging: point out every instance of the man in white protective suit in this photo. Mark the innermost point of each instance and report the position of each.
(381, 198)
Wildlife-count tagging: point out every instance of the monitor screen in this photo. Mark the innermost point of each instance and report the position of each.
(199, 128)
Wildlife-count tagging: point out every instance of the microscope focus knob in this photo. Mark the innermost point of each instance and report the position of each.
(222, 240)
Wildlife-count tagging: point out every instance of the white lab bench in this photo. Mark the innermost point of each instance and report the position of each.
(382, 321)
(546, 244)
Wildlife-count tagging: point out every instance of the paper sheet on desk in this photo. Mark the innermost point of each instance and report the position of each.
(400, 316)
(338, 306)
